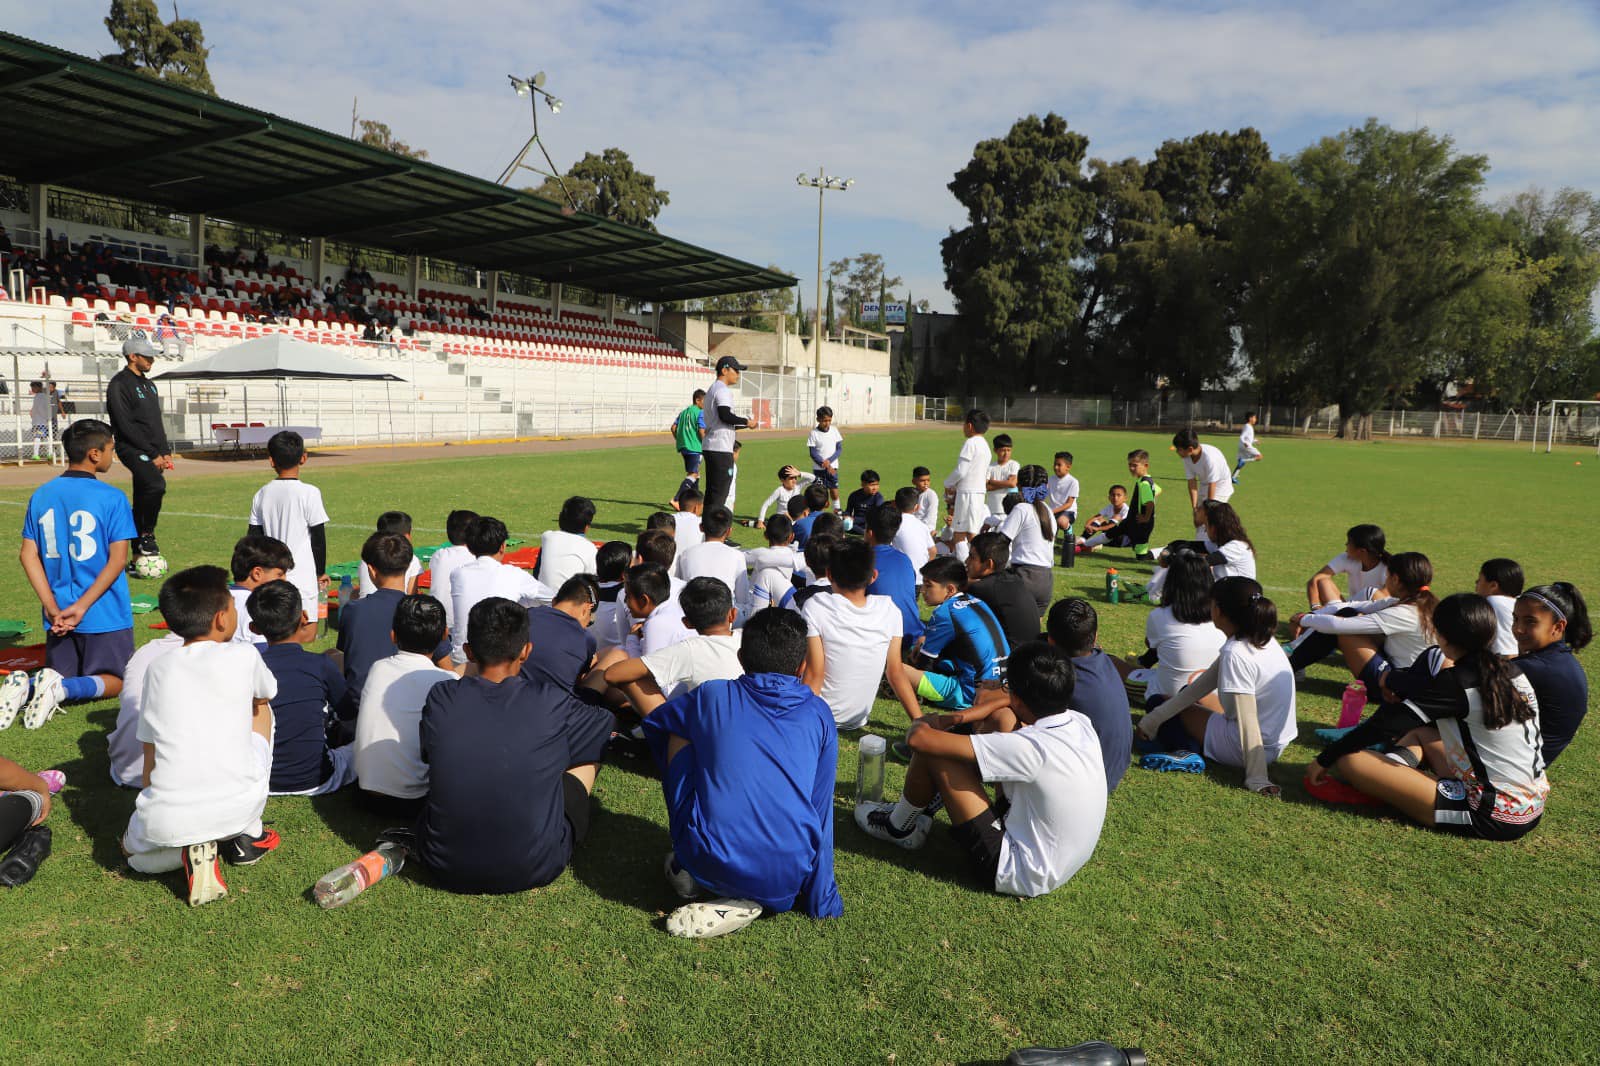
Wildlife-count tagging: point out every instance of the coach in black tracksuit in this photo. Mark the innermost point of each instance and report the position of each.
(134, 407)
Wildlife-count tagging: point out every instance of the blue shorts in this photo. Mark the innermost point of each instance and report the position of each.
(942, 690)
(691, 461)
(827, 480)
(89, 654)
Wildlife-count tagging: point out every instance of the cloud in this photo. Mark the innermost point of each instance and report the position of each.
(725, 102)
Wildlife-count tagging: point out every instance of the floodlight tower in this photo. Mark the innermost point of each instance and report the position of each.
(533, 88)
(823, 183)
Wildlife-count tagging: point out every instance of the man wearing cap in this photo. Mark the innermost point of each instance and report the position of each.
(721, 423)
(134, 407)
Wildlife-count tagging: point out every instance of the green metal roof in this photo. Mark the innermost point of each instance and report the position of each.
(75, 122)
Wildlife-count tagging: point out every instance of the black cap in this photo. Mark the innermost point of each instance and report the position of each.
(729, 361)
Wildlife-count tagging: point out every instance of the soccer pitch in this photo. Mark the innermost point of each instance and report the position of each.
(1211, 925)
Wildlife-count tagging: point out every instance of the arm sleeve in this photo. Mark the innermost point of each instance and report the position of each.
(1386, 723)
(319, 548)
(766, 506)
(729, 418)
(1200, 687)
(819, 893)
(257, 531)
(1241, 707)
(1365, 624)
(816, 455)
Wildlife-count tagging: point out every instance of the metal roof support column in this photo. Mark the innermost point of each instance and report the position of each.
(611, 308)
(197, 240)
(494, 289)
(414, 275)
(38, 208)
(319, 250)
(555, 301)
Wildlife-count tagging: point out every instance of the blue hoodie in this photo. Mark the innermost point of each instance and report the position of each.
(750, 800)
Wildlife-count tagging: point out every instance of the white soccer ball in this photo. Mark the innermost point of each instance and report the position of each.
(849, 523)
(150, 566)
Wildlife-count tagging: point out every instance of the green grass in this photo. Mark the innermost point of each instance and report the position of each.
(1210, 925)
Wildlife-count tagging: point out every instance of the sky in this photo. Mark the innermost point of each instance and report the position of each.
(725, 102)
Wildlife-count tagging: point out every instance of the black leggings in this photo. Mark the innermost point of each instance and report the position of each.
(149, 486)
(17, 812)
(719, 478)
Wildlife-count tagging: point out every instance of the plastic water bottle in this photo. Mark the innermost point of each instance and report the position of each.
(1113, 586)
(322, 610)
(1090, 1053)
(1353, 704)
(869, 769)
(338, 887)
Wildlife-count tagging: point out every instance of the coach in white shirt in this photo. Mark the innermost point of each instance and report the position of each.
(721, 422)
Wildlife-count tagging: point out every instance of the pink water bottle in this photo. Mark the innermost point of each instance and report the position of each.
(1353, 704)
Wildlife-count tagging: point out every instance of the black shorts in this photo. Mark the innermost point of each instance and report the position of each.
(575, 799)
(1453, 814)
(390, 806)
(691, 461)
(88, 654)
(981, 838)
(825, 479)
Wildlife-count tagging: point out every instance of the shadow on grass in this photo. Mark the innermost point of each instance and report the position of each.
(621, 859)
(95, 805)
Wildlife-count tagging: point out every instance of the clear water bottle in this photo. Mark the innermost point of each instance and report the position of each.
(338, 887)
(869, 769)
(322, 609)
(1089, 1053)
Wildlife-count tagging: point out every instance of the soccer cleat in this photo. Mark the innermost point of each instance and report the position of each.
(1170, 762)
(48, 696)
(874, 820)
(245, 850)
(1332, 790)
(147, 545)
(682, 883)
(718, 917)
(204, 873)
(13, 694)
(32, 848)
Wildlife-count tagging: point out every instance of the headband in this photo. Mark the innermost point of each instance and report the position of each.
(1034, 494)
(1561, 616)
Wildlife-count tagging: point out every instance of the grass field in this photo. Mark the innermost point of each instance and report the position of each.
(1211, 925)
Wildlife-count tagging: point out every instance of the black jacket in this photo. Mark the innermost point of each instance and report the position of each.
(134, 406)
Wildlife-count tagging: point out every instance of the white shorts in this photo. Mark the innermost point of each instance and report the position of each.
(971, 508)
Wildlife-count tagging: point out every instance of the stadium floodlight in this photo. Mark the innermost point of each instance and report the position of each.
(823, 182)
(533, 88)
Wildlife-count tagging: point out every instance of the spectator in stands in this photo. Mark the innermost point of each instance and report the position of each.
(260, 261)
(479, 312)
(5, 240)
(169, 339)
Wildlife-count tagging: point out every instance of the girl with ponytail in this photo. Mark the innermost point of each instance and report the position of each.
(1381, 633)
(1254, 685)
(1551, 623)
(1483, 743)
(1032, 529)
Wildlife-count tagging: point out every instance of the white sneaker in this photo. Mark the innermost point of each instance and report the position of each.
(13, 694)
(716, 918)
(682, 883)
(874, 820)
(48, 696)
(203, 874)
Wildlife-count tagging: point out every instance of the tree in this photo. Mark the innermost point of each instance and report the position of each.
(770, 301)
(1010, 268)
(610, 186)
(862, 279)
(1355, 256)
(378, 135)
(174, 52)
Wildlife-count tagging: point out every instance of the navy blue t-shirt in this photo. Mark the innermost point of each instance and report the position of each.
(562, 648)
(1559, 682)
(494, 820)
(309, 687)
(897, 579)
(859, 504)
(1099, 696)
(364, 628)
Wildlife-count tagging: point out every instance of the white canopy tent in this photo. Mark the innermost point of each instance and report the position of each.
(277, 358)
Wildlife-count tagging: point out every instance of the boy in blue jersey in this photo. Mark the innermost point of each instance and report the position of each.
(75, 554)
(748, 769)
(963, 643)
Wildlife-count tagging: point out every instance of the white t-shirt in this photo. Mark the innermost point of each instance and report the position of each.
(1210, 469)
(1238, 561)
(1265, 673)
(241, 635)
(440, 566)
(1029, 545)
(1364, 584)
(718, 559)
(1000, 472)
(563, 555)
(719, 435)
(127, 751)
(208, 782)
(688, 664)
(605, 629)
(778, 502)
(914, 541)
(1056, 783)
(1397, 623)
(928, 509)
(771, 574)
(855, 645)
(972, 464)
(476, 581)
(1247, 442)
(286, 508)
(413, 571)
(1504, 642)
(39, 410)
(686, 531)
(1062, 489)
(1183, 649)
(825, 443)
(662, 629)
(1114, 514)
(388, 744)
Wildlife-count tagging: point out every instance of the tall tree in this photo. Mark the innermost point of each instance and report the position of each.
(610, 186)
(378, 135)
(1010, 268)
(1373, 236)
(173, 51)
(1556, 239)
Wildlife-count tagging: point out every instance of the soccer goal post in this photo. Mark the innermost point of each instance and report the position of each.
(1567, 422)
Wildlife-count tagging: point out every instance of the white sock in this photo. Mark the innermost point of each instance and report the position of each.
(962, 549)
(1097, 540)
(904, 815)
